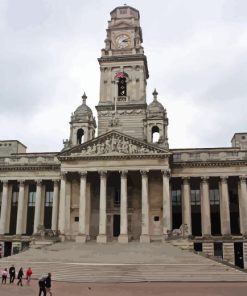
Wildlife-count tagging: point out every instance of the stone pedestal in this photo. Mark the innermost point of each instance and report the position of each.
(228, 252)
(123, 239)
(145, 238)
(81, 238)
(208, 248)
(102, 239)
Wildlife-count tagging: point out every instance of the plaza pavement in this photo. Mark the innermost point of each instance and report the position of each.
(124, 289)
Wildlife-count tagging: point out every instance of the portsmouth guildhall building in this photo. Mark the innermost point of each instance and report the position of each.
(125, 184)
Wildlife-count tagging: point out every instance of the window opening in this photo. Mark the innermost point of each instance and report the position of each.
(80, 136)
(155, 134)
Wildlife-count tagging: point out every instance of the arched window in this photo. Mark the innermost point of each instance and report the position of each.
(80, 136)
(122, 87)
(155, 134)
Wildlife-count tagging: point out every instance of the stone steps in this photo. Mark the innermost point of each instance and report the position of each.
(112, 262)
(131, 272)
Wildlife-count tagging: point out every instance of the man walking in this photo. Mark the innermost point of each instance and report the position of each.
(48, 284)
(11, 274)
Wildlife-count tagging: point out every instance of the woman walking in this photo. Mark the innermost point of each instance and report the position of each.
(29, 273)
(4, 275)
(19, 277)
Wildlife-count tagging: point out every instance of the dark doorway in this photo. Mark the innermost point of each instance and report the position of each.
(14, 207)
(31, 208)
(7, 249)
(48, 205)
(116, 225)
(218, 250)
(198, 247)
(238, 252)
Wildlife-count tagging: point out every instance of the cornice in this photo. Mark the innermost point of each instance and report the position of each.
(209, 164)
(114, 157)
(6, 168)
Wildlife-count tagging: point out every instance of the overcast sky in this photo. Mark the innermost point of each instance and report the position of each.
(197, 58)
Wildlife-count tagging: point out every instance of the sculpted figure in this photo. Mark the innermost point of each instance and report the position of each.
(107, 146)
(113, 144)
(125, 146)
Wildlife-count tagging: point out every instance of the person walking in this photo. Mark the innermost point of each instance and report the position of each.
(19, 276)
(4, 275)
(11, 274)
(29, 273)
(48, 284)
(42, 287)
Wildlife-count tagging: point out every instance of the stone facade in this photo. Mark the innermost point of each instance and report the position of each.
(126, 184)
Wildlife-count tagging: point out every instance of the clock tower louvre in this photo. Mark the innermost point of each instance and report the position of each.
(123, 75)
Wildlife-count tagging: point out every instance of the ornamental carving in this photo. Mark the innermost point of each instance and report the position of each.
(117, 144)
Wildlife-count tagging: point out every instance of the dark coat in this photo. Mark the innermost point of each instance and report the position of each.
(48, 282)
(20, 274)
(12, 271)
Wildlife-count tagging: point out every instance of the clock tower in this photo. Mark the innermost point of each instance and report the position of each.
(123, 76)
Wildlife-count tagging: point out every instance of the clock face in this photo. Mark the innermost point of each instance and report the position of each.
(123, 41)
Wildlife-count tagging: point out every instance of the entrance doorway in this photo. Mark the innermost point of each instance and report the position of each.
(116, 225)
(7, 249)
(238, 252)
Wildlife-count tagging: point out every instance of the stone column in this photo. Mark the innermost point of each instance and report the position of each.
(102, 237)
(82, 237)
(19, 223)
(243, 205)
(186, 205)
(62, 205)
(145, 236)
(54, 218)
(37, 206)
(123, 237)
(167, 206)
(205, 207)
(4, 208)
(224, 208)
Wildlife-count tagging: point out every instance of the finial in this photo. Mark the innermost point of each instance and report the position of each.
(155, 94)
(84, 98)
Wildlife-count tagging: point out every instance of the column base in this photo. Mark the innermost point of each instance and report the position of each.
(123, 238)
(102, 239)
(81, 238)
(145, 238)
(62, 237)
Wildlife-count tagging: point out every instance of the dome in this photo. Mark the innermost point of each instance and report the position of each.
(155, 106)
(83, 110)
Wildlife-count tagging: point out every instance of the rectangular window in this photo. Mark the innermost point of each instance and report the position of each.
(15, 195)
(195, 197)
(117, 199)
(48, 198)
(176, 197)
(31, 198)
(214, 196)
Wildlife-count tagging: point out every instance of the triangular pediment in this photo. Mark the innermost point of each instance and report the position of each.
(122, 24)
(114, 143)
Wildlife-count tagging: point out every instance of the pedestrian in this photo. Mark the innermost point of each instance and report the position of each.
(29, 273)
(4, 275)
(48, 284)
(11, 274)
(42, 286)
(19, 276)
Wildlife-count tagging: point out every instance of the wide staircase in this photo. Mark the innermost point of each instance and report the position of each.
(113, 262)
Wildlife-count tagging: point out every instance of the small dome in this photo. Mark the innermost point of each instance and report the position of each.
(155, 106)
(83, 110)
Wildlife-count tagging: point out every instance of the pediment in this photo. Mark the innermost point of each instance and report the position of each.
(114, 143)
(121, 24)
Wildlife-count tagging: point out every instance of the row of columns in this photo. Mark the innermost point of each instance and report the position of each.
(123, 237)
(6, 203)
(224, 206)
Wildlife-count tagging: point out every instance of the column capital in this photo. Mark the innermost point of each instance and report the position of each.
(166, 173)
(185, 180)
(55, 181)
(205, 179)
(144, 173)
(83, 174)
(5, 182)
(223, 179)
(63, 175)
(123, 173)
(102, 174)
(38, 182)
(242, 179)
(21, 181)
